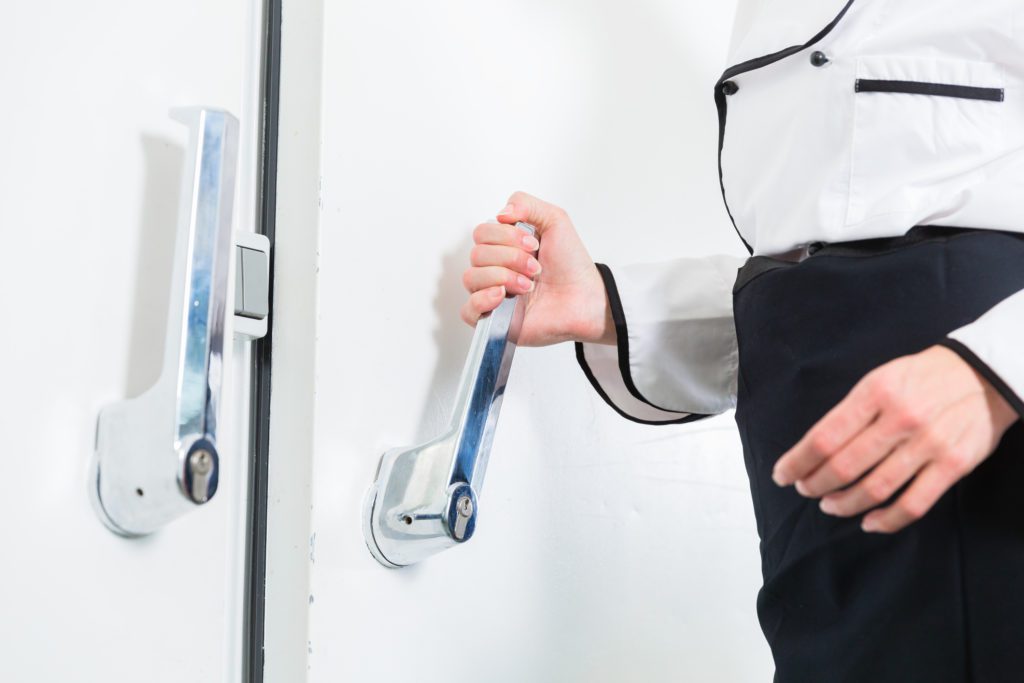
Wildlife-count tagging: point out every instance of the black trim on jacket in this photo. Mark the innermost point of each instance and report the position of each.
(622, 344)
(751, 65)
(582, 360)
(963, 92)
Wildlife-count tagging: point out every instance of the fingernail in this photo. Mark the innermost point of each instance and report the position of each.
(801, 488)
(507, 211)
(530, 243)
(779, 478)
(533, 265)
(525, 282)
(870, 525)
(499, 293)
(827, 506)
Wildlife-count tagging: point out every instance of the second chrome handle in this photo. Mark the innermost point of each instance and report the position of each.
(424, 499)
(156, 455)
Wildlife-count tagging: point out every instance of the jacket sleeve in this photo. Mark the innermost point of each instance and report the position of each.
(676, 359)
(992, 345)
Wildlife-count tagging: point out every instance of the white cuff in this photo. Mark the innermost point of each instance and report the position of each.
(676, 359)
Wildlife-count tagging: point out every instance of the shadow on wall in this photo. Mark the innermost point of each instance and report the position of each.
(451, 342)
(158, 222)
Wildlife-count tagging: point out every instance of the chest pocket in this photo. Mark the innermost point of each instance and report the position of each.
(923, 131)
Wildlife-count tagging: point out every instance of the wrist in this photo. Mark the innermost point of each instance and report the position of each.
(1004, 405)
(595, 324)
(1001, 413)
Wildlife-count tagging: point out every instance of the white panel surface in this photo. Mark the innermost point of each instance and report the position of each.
(605, 550)
(89, 188)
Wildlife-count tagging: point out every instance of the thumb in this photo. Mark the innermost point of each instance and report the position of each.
(529, 209)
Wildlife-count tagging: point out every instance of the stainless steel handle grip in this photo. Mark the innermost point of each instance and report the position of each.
(424, 499)
(156, 455)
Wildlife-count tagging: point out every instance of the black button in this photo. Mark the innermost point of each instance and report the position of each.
(730, 88)
(819, 58)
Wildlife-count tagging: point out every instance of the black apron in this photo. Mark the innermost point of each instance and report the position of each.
(943, 600)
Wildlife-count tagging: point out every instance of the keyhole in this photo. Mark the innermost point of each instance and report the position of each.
(139, 493)
(408, 520)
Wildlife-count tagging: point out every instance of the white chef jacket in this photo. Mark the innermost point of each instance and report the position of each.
(839, 120)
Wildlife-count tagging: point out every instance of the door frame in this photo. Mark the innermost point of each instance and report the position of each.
(284, 400)
(262, 355)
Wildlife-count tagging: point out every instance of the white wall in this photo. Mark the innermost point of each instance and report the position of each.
(605, 551)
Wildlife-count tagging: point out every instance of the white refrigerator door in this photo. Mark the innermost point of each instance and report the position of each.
(90, 180)
(604, 551)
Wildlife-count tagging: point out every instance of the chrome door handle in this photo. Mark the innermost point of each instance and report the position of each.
(424, 499)
(156, 455)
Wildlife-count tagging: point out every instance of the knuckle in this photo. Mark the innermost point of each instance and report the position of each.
(478, 304)
(931, 443)
(909, 416)
(467, 278)
(522, 261)
(881, 388)
(843, 470)
(912, 509)
(821, 441)
(957, 460)
(876, 489)
(476, 255)
(480, 233)
(945, 451)
(958, 457)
